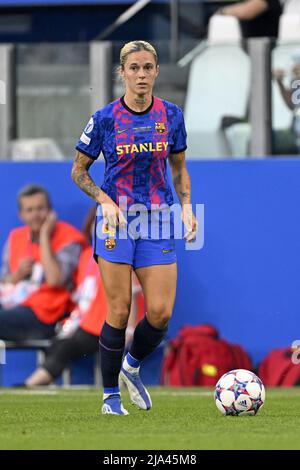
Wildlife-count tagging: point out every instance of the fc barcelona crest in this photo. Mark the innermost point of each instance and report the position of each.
(160, 127)
(110, 243)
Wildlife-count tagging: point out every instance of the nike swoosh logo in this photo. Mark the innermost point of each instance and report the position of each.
(122, 130)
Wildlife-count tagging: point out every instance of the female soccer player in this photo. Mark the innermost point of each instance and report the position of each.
(136, 134)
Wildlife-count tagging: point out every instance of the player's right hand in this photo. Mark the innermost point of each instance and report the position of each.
(112, 215)
(190, 223)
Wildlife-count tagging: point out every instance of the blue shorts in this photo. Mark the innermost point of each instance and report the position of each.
(138, 247)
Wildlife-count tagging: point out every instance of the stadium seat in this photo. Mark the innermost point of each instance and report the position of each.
(35, 149)
(238, 138)
(291, 6)
(289, 27)
(223, 29)
(218, 86)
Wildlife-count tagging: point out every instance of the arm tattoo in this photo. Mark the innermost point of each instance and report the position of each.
(81, 177)
(177, 180)
(181, 179)
(183, 193)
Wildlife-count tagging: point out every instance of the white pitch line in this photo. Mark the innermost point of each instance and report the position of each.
(28, 392)
(182, 394)
(70, 391)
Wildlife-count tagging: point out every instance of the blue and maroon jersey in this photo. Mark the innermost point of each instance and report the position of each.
(135, 146)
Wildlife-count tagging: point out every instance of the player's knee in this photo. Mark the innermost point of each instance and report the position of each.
(119, 316)
(159, 316)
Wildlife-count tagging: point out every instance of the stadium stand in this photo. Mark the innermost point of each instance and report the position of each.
(291, 6)
(224, 69)
(282, 59)
(35, 149)
(223, 29)
(289, 27)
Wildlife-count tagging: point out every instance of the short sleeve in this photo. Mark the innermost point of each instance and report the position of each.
(91, 140)
(179, 136)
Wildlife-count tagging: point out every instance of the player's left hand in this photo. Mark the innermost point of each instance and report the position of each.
(190, 223)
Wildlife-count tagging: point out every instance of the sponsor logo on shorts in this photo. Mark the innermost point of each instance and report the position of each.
(166, 250)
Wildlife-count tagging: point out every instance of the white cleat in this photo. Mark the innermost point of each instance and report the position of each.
(139, 395)
(113, 406)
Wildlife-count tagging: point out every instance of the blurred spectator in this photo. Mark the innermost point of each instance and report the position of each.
(258, 18)
(39, 260)
(80, 333)
(288, 140)
(284, 141)
(287, 92)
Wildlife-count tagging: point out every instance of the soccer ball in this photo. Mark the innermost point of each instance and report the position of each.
(239, 392)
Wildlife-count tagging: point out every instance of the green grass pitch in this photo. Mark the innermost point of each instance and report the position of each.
(180, 419)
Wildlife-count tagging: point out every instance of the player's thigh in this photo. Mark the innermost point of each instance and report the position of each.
(159, 287)
(116, 279)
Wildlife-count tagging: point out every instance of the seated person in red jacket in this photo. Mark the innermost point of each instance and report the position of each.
(39, 261)
(80, 333)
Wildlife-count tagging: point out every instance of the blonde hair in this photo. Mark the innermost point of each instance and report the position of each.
(136, 46)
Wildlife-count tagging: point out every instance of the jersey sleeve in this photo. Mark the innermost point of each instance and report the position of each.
(179, 136)
(91, 140)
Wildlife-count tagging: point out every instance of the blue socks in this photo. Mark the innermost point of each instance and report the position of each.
(112, 344)
(145, 340)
